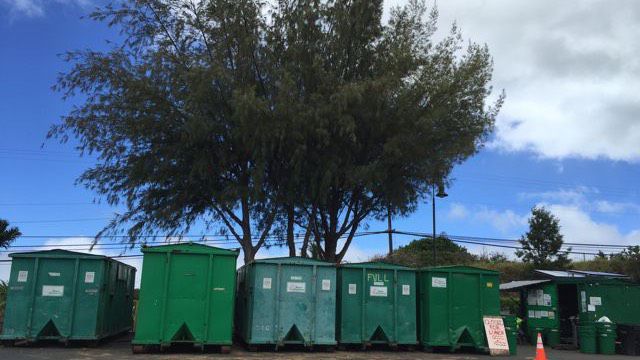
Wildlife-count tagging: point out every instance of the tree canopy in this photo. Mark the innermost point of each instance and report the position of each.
(542, 244)
(268, 117)
(7, 234)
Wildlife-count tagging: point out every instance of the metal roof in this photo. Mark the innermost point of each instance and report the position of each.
(578, 274)
(599, 273)
(560, 274)
(514, 285)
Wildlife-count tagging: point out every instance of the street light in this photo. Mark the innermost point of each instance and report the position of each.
(441, 194)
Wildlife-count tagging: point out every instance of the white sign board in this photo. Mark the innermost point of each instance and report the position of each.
(595, 301)
(22, 276)
(89, 277)
(406, 290)
(326, 285)
(378, 291)
(296, 287)
(496, 335)
(352, 289)
(266, 283)
(52, 290)
(438, 282)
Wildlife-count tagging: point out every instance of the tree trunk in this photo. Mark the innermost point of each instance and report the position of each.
(290, 230)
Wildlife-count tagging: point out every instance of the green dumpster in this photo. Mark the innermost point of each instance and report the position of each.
(587, 338)
(376, 304)
(186, 296)
(286, 301)
(452, 302)
(511, 328)
(66, 296)
(606, 334)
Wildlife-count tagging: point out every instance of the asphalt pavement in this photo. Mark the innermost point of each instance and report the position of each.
(121, 349)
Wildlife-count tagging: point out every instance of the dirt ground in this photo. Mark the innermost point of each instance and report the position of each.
(121, 349)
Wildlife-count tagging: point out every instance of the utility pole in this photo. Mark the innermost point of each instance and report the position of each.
(389, 230)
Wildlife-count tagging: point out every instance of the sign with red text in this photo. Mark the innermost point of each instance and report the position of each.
(496, 335)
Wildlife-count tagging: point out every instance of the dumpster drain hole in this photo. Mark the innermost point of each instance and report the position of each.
(379, 336)
(294, 335)
(183, 334)
(49, 330)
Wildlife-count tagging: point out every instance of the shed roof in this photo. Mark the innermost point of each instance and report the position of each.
(516, 285)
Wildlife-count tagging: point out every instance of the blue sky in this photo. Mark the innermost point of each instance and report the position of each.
(568, 136)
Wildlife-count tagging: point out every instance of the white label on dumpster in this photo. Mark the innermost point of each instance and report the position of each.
(89, 276)
(352, 289)
(296, 287)
(552, 315)
(298, 278)
(438, 282)
(595, 301)
(54, 274)
(406, 289)
(378, 291)
(583, 300)
(22, 276)
(52, 290)
(326, 284)
(378, 283)
(266, 283)
(544, 314)
(591, 307)
(532, 314)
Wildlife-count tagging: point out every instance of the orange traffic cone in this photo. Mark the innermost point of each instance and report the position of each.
(540, 355)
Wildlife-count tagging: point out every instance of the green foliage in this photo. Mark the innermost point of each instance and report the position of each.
(626, 262)
(7, 234)
(419, 253)
(251, 114)
(542, 244)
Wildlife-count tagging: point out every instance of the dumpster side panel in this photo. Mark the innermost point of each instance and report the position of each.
(434, 309)
(19, 298)
(222, 291)
(262, 303)
(87, 302)
(380, 292)
(620, 302)
(350, 308)
(324, 312)
(298, 291)
(151, 301)
(53, 298)
(406, 308)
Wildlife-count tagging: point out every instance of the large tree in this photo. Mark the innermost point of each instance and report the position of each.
(7, 234)
(542, 244)
(313, 115)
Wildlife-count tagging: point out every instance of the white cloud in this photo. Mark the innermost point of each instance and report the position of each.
(505, 221)
(579, 227)
(37, 8)
(570, 70)
(457, 211)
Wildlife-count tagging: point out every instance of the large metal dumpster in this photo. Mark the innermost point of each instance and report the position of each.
(376, 304)
(67, 296)
(452, 301)
(283, 301)
(186, 296)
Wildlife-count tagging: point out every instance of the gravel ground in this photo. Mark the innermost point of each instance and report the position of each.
(121, 349)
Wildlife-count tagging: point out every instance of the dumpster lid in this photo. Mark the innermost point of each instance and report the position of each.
(296, 260)
(516, 285)
(376, 264)
(58, 253)
(460, 268)
(189, 247)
